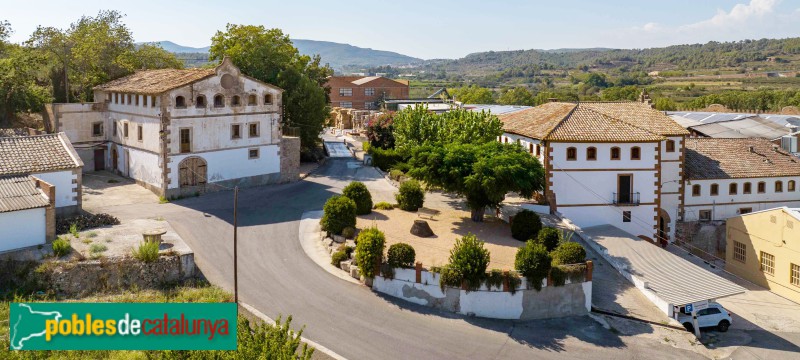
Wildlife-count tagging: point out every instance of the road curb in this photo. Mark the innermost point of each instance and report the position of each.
(628, 317)
(315, 345)
(312, 246)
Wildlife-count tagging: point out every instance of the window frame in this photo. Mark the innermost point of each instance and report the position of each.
(794, 274)
(97, 125)
(236, 101)
(250, 127)
(739, 252)
(219, 101)
(733, 189)
(761, 187)
(627, 216)
(714, 189)
(778, 186)
(744, 210)
(637, 151)
(369, 91)
(349, 104)
(670, 146)
(236, 131)
(181, 104)
(747, 188)
(572, 153)
(618, 153)
(700, 214)
(768, 266)
(252, 100)
(791, 185)
(346, 92)
(591, 153)
(139, 133)
(180, 140)
(125, 129)
(268, 99)
(697, 190)
(200, 102)
(250, 153)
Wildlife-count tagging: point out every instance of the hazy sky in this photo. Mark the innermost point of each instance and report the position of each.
(436, 28)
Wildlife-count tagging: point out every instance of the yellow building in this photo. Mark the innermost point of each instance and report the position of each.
(764, 248)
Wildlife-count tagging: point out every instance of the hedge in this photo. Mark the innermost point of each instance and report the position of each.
(385, 159)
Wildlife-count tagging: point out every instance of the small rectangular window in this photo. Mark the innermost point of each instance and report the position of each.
(152, 101)
(705, 215)
(346, 104)
(115, 128)
(136, 100)
(794, 276)
(572, 154)
(129, 99)
(715, 189)
(747, 210)
(369, 91)
(139, 133)
(144, 100)
(116, 98)
(252, 153)
(739, 251)
(345, 92)
(767, 263)
(252, 130)
(186, 140)
(236, 131)
(626, 216)
(97, 129)
(125, 130)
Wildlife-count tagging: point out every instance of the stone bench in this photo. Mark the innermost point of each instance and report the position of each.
(430, 213)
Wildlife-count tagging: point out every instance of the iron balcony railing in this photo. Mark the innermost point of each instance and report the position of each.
(626, 199)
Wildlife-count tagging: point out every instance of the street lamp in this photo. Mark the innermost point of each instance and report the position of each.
(235, 247)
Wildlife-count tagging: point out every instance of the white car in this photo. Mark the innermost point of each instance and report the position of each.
(714, 316)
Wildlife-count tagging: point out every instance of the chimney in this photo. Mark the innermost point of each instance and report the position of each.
(752, 149)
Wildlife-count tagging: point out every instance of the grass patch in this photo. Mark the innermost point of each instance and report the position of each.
(108, 240)
(146, 252)
(61, 247)
(73, 229)
(91, 234)
(162, 200)
(97, 248)
(86, 241)
(383, 205)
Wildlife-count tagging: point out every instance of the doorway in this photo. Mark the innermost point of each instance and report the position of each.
(99, 159)
(625, 188)
(114, 159)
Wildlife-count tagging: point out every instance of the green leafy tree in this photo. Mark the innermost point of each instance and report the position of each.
(19, 89)
(533, 262)
(597, 80)
(369, 251)
(665, 104)
(417, 126)
(469, 259)
(483, 173)
(269, 55)
(380, 131)
(359, 193)
(339, 212)
(516, 96)
(473, 94)
(617, 93)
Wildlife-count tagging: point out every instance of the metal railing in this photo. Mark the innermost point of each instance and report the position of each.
(626, 199)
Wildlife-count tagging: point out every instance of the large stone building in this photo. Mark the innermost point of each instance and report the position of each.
(183, 131)
(365, 93)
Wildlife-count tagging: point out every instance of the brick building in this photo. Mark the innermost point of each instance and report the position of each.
(365, 92)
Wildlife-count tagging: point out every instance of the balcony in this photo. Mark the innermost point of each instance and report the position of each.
(626, 199)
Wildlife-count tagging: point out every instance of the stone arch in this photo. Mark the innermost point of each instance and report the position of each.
(662, 227)
(192, 172)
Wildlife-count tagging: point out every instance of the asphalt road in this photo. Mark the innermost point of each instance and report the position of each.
(277, 278)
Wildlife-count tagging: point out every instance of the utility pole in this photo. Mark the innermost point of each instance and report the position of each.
(235, 247)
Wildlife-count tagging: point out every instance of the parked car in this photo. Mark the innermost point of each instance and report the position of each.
(714, 316)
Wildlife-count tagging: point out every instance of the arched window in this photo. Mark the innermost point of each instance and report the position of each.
(615, 153)
(762, 187)
(715, 189)
(236, 101)
(251, 100)
(591, 153)
(791, 185)
(200, 102)
(779, 186)
(747, 188)
(670, 145)
(696, 190)
(219, 101)
(572, 153)
(636, 153)
(530, 148)
(733, 189)
(267, 99)
(180, 102)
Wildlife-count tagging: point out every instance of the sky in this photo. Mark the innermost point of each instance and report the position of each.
(436, 29)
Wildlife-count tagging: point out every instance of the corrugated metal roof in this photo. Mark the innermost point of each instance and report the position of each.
(748, 127)
(495, 109)
(711, 117)
(20, 193)
(672, 278)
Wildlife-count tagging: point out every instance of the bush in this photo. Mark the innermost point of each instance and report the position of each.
(533, 262)
(385, 159)
(411, 197)
(560, 273)
(401, 255)
(97, 248)
(84, 222)
(365, 146)
(401, 166)
(383, 205)
(358, 192)
(396, 175)
(549, 237)
(369, 251)
(568, 253)
(338, 257)
(339, 213)
(347, 249)
(61, 247)
(349, 232)
(469, 259)
(526, 225)
(449, 277)
(146, 252)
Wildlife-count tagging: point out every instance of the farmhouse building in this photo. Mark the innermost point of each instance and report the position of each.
(365, 92)
(183, 131)
(27, 212)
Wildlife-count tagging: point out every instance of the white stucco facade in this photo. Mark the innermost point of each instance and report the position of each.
(22, 228)
(724, 204)
(66, 183)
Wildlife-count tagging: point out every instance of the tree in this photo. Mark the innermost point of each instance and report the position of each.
(380, 131)
(665, 104)
(482, 173)
(417, 126)
(473, 94)
(596, 80)
(620, 93)
(549, 237)
(269, 56)
(525, 225)
(516, 96)
(19, 89)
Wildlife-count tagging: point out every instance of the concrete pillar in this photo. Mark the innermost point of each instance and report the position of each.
(418, 268)
(50, 211)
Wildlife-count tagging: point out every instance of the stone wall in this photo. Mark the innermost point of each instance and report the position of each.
(290, 158)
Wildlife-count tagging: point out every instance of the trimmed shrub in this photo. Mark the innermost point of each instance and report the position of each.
(338, 257)
(369, 251)
(61, 247)
(358, 192)
(568, 253)
(449, 277)
(396, 175)
(411, 197)
(339, 213)
(560, 273)
(469, 259)
(383, 205)
(401, 255)
(526, 225)
(534, 262)
(385, 159)
(549, 237)
(349, 232)
(146, 252)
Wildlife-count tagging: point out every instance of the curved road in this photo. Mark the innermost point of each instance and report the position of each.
(277, 278)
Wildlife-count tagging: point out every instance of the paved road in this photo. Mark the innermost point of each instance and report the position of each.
(278, 279)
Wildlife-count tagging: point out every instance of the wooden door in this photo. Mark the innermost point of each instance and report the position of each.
(192, 171)
(99, 159)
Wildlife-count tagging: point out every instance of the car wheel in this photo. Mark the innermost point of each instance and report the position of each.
(723, 326)
(689, 327)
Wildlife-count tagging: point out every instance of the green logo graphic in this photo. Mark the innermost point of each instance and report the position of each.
(123, 326)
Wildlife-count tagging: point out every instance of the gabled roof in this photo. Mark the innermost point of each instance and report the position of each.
(20, 193)
(714, 158)
(592, 122)
(152, 82)
(38, 153)
(365, 80)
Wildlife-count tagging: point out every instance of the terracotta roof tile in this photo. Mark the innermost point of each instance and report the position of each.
(716, 158)
(38, 153)
(20, 193)
(538, 121)
(585, 125)
(640, 115)
(152, 82)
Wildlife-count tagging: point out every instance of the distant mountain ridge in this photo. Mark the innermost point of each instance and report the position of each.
(336, 54)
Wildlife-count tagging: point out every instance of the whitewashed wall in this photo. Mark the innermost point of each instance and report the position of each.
(62, 180)
(725, 205)
(230, 164)
(525, 142)
(22, 229)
